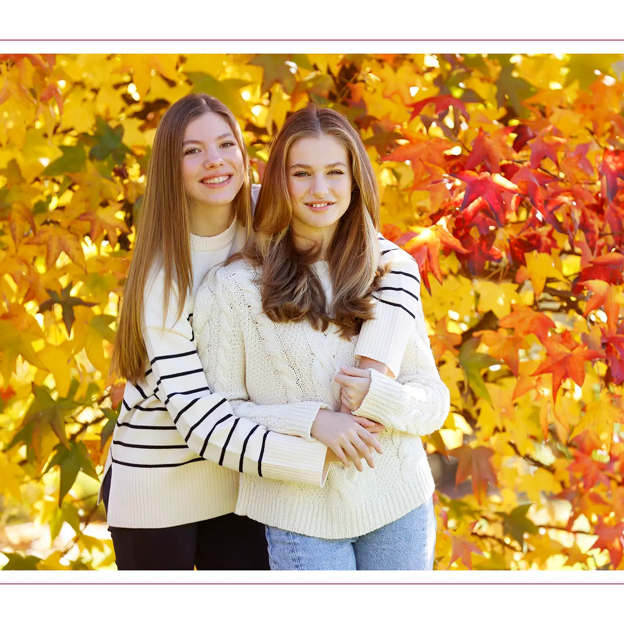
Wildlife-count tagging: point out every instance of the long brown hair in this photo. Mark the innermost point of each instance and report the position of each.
(164, 227)
(290, 288)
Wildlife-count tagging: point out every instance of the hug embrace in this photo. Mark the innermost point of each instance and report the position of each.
(279, 369)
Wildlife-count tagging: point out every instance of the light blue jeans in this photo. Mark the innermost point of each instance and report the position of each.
(405, 544)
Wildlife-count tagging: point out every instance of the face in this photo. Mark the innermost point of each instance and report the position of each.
(319, 184)
(212, 162)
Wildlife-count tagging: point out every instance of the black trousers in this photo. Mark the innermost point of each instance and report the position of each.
(228, 542)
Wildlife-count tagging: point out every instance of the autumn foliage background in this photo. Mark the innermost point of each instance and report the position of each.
(502, 175)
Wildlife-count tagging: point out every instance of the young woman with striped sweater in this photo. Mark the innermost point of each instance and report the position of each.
(167, 507)
(275, 326)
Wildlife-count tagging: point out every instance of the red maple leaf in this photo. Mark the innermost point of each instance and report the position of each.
(461, 549)
(603, 296)
(610, 537)
(441, 102)
(490, 150)
(475, 463)
(489, 187)
(612, 167)
(524, 320)
(545, 146)
(425, 249)
(523, 134)
(613, 344)
(608, 268)
(588, 471)
(566, 360)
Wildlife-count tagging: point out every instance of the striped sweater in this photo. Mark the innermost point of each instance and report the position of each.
(171, 421)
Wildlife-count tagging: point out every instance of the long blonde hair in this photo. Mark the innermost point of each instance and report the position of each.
(164, 228)
(291, 290)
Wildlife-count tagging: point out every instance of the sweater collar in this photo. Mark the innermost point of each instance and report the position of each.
(217, 242)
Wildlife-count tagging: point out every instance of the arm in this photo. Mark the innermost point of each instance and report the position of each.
(418, 402)
(205, 419)
(382, 340)
(222, 348)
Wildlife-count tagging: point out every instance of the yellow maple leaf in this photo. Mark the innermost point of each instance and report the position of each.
(600, 416)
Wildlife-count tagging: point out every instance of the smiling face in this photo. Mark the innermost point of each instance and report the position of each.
(319, 185)
(212, 163)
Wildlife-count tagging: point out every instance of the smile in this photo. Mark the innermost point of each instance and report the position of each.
(218, 181)
(320, 206)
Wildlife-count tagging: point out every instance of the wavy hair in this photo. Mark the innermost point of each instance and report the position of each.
(291, 290)
(164, 227)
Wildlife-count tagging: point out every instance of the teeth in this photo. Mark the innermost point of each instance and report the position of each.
(218, 180)
(319, 205)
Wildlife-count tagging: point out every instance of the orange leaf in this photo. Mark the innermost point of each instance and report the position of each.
(475, 464)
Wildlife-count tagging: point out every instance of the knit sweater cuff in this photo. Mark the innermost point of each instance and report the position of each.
(384, 401)
(299, 417)
(311, 465)
(384, 338)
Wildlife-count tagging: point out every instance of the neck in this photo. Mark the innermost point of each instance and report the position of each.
(307, 240)
(211, 221)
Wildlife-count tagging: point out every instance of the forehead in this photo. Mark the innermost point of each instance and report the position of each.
(318, 151)
(206, 128)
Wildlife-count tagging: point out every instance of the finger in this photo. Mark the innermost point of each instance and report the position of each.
(364, 422)
(344, 408)
(351, 451)
(355, 372)
(344, 380)
(364, 452)
(339, 453)
(371, 440)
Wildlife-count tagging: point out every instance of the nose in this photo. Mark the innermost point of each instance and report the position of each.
(319, 186)
(213, 159)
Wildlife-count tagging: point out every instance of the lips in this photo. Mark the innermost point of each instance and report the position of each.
(216, 181)
(319, 206)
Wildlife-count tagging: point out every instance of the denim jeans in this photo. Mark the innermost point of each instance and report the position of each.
(405, 544)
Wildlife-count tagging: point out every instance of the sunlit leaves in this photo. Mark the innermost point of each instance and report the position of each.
(502, 176)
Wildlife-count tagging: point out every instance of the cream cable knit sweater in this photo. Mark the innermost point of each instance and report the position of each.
(279, 374)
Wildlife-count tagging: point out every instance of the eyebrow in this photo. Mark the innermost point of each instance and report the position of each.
(302, 166)
(221, 136)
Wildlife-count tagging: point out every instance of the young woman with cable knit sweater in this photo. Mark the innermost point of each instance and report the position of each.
(277, 330)
(167, 508)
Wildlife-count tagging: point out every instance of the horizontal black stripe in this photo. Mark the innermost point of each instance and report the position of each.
(151, 446)
(411, 294)
(143, 409)
(148, 372)
(227, 441)
(266, 433)
(203, 449)
(242, 457)
(174, 355)
(396, 305)
(190, 461)
(406, 274)
(182, 374)
(189, 317)
(201, 420)
(150, 427)
(388, 250)
(170, 396)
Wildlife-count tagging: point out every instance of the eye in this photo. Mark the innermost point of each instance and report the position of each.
(336, 172)
(228, 144)
(301, 174)
(191, 150)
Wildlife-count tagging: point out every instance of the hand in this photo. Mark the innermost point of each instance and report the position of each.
(348, 440)
(370, 425)
(354, 385)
